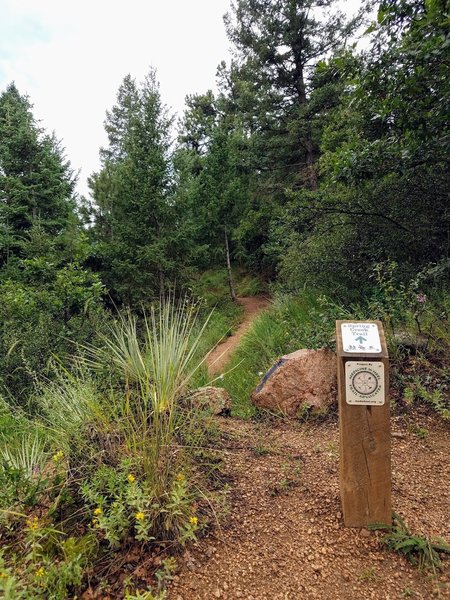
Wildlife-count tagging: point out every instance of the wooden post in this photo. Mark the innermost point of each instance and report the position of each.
(364, 423)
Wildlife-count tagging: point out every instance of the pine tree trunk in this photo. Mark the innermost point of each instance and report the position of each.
(311, 171)
(311, 174)
(230, 277)
(161, 285)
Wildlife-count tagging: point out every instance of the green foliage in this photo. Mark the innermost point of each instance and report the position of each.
(123, 453)
(308, 321)
(27, 456)
(51, 565)
(115, 446)
(43, 560)
(213, 184)
(50, 300)
(384, 163)
(36, 185)
(277, 92)
(147, 412)
(419, 550)
(24, 453)
(417, 328)
(148, 594)
(39, 320)
(122, 505)
(139, 230)
(432, 391)
(276, 44)
(68, 402)
(249, 285)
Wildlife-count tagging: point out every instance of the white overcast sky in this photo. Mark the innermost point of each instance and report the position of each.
(70, 58)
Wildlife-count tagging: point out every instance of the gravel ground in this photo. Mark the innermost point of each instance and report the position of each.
(283, 536)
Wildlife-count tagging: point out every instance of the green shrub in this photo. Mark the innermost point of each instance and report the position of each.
(38, 321)
(123, 503)
(51, 564)
(154, 373)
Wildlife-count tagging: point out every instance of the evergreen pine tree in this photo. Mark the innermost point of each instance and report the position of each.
(36, 184)
(138, 227)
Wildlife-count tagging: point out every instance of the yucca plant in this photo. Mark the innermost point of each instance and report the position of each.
(69, 401)
(156, 367)
(26, 454)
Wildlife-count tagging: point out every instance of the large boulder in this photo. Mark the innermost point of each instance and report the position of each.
(305, 377)
(216, 400)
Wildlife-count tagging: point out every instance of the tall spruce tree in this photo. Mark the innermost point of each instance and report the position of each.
(138, 227)
(49, 300)
(36, 183)
(268, 89)
(213, 179)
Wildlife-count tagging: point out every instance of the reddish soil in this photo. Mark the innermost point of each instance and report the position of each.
(281, 536)
(219, 357)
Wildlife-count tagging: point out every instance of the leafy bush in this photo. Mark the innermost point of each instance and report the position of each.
(123, 504)
(50, 565)
(38, 321)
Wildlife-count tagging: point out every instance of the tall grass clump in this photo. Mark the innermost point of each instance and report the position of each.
(25, 454)
(152, 364)
(24, 447)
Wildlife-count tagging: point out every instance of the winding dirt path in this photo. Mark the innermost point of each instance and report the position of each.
(218, 358)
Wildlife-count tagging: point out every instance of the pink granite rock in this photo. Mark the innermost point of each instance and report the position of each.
(305, 377)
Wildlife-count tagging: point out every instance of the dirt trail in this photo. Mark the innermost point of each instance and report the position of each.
(281, 534)
(218, 358)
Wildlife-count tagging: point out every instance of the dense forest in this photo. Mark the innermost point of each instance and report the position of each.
(317, 172)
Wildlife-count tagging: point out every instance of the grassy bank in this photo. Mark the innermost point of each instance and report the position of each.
(291, 323)
(418, 335)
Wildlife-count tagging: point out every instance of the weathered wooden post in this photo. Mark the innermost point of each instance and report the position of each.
(364, 423)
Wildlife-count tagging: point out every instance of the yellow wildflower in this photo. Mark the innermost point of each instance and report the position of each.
(58, 456)
(40, 572)
(3, 575)
(131, 478)
(139, 516)
(180, 477)
(33, 523)
(193, 521)
(98, 511)
(95, 523)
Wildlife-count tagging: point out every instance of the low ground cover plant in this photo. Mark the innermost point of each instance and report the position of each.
(420, 550)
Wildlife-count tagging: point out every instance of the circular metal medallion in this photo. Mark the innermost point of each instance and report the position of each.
(365, 382)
